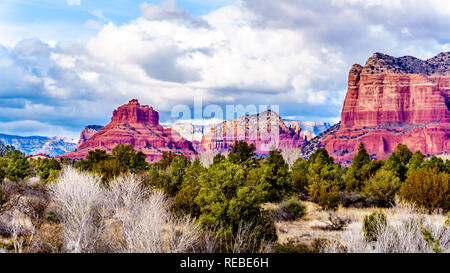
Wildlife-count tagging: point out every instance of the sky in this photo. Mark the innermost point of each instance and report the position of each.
(65, 64)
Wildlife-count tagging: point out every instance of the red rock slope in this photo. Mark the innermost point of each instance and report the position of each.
(395, 100)
(136, 125)
(87, 133)
(265, 130)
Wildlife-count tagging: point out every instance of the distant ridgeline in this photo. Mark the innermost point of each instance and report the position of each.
(32, 145)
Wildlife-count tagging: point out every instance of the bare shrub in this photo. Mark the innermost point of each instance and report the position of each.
(291, 155)
(335, 222)
(244, 240)
(145, 221)
(406, 231)
(19, 227)
(79, 199)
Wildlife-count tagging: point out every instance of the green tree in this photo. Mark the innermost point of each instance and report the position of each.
(45, 166)
(160, 179)
(166, 160)
(177, 171)
(129, 159)
(193, 173)
(3, 165)
(416, 161)
(403, 153)
(219, 158)
(434, 163)
(275, 173)
(299, 173)
(92, 158)
(325, 193)
(225, 200)
(356, 174)
(427, 188)
(184, 202)
(372, 168)
(108, 169)
(18, 166)
(322, 167)
(394, 164)
(361, 158)
(382, 187)
(242, 154)
(325, 180)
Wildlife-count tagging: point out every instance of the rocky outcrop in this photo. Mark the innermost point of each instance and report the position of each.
(395, 100)
(310, 129)
(136, 125)
(317, 142)
(265, 130)
(87, 133)
(32, 145)
(189, 130)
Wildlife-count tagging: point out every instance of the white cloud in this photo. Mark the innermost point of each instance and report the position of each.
(170, 11)
(293, 53)
(73, 2)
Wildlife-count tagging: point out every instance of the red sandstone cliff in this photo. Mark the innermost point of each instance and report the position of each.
(265, 130)
(395, 100)
(136, 125)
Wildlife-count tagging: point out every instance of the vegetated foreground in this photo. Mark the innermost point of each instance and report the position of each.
(233, 203)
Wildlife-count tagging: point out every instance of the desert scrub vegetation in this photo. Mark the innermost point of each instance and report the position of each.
(401, 229)
(122, 217)
(238, 202)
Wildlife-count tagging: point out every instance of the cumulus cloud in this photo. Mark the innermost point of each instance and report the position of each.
(293, 53)
(170, 11)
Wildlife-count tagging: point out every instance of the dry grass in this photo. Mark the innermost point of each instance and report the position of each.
(314, 225)
(308, 228)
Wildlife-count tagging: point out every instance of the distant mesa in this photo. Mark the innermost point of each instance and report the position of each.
(394, 100)
(136, 125)
(266, 131)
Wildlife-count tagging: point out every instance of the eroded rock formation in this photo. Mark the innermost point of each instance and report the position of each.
(136, 125)
(395, 100)
(265, 130)
(87, 133)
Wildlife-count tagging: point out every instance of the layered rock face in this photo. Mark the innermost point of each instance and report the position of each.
(136, 125)
(265, 130)
(310, 129)
(87, 133)
(395, 100)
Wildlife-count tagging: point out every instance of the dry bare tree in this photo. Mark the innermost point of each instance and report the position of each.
(79, 199)
(146, 224)
(291, 155)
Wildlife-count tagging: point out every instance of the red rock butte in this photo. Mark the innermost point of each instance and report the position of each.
(395, 100)
(265, 130)
(136, 125)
